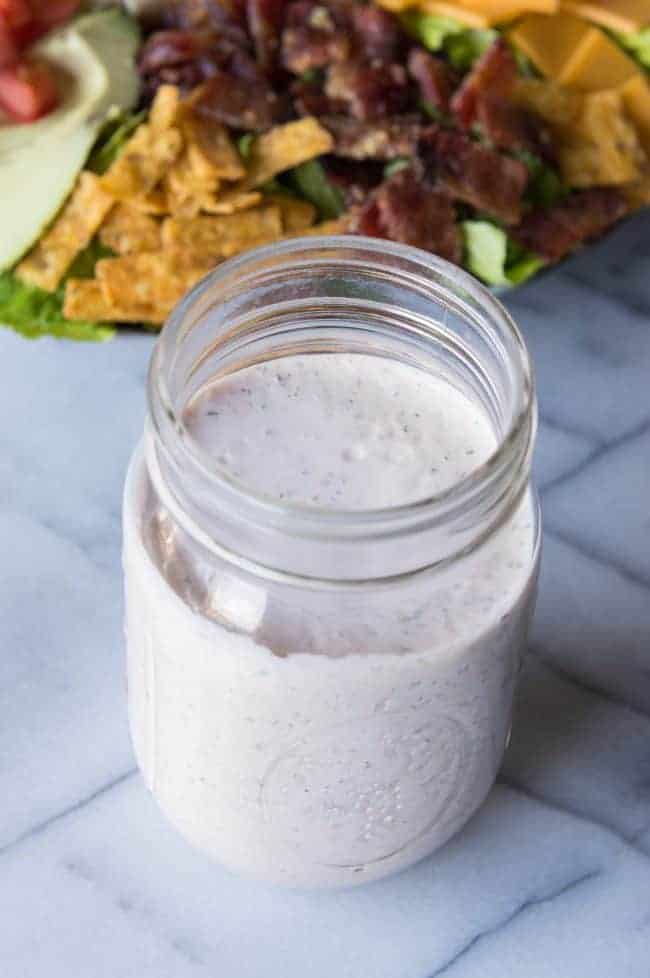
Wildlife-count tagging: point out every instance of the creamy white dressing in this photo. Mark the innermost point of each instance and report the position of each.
(325, 738)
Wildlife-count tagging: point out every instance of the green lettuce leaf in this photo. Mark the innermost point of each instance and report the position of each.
(494, 258)
(462, 45)
(545, 186)
(245, 145)
(430, 30)
(33, 312)
(638, 44)
(400, 163)
(112, 140)
(464, 49)
(309, 181)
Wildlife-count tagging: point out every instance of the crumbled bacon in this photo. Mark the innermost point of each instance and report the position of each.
(434, 78)
(228, 17)
(475, 174)
(310, 99)
(508, 126)
(373, 91)
(554, 232)
(378, 34)
(238, 103)
(354, 179)
(385, 139)
(408, 210)
(171, 49)
(265, 19)
(495, 73)
(314, 36)
(350, 64)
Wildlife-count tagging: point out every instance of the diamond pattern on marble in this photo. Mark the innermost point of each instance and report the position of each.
(147, 906)
(619, 264)
(593, 624)
(591, 356)
(77, 412)
(612, 520)
(580, 751)
(62, 717)
(557, 453)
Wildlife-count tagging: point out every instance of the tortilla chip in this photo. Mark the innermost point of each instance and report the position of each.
(338, 225)
(602, 146)
(230, 202)
(127, 230)
(637, 194)
(296, 214)
(556, 105)
(71, 232)
(165, 108)
(213, 154)
(208, 238)
(155, 279)
(155, 203)
(284, 147)
(143, 162)
(85, 299)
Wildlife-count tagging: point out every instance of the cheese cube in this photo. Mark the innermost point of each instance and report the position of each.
(472, 18)
(636, 99)
(602, 147)
(596, 64)
(549, 42)
(628, 16)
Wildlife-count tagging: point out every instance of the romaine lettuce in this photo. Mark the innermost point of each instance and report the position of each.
(494, 258)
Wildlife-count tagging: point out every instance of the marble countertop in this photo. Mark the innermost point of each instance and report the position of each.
(550, 880)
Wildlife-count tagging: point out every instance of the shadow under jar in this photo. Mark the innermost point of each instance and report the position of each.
(331, 550)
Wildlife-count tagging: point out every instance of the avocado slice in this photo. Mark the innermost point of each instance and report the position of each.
(39, 163)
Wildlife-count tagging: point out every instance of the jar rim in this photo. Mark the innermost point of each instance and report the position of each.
(237, 308)
(171, 334)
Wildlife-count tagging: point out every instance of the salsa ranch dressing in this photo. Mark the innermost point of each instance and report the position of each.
(326, 742)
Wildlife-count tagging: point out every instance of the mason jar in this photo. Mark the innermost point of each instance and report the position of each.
(321, 695)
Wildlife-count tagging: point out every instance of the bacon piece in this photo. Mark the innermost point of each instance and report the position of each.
(508, 126)
(475, 174)
(356, 180)
(310, 99)
(409, 210)
(238, 103)
(384, 139)
(495, 73)
(372, 91)
(555, 231)
(435, 79)
(265, 19)
(378, 33)
(314, 36)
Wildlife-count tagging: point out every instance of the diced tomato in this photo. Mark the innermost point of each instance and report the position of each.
(17, 13)
(27, 91)
(8, 48)
(54, 12)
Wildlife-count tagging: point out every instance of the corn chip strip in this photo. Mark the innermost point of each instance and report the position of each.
(155, 279)
(84, 299)
(142, 163)
(164, 109)
(283, 147)
(296, 214)
(213, 154)
(230, 202)
(71, 232)
(211, 237)
(127, 230)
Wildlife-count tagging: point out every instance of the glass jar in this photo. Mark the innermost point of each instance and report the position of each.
(321, 697)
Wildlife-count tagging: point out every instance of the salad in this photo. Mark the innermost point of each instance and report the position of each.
(499, 134)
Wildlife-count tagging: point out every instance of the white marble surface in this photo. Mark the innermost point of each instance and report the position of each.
(550, 880)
